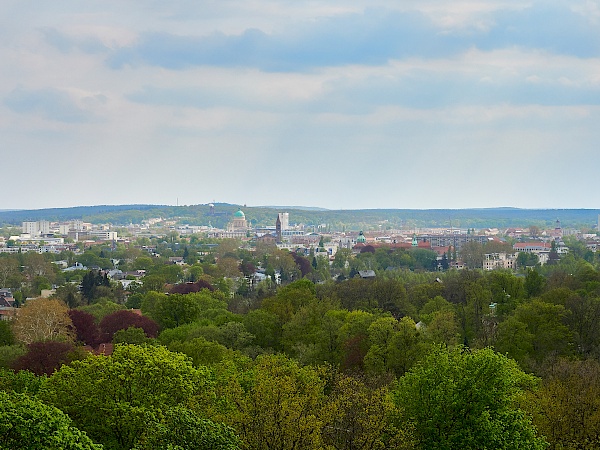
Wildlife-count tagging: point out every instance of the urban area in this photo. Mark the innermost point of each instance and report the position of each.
(284, 335)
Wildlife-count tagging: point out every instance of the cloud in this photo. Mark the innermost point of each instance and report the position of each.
(52, 104)
(372, 37)
(66, 43)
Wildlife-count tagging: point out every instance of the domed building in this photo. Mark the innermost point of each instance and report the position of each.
(239, 222)
(361, 239)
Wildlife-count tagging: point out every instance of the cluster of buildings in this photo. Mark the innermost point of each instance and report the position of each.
(55, 237)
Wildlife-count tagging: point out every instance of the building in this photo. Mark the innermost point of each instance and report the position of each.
(493, 261)
(41, 227)
(532, 247)
(239, 222)
(284, 218)
(454, 240)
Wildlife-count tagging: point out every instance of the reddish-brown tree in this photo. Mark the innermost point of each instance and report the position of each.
(303, 264)
(85, 327)
(188, 288)
(121, 320)
(43, 358)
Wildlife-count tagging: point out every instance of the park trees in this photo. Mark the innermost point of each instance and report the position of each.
(466, 399)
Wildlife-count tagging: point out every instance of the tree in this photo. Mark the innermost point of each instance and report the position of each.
(69, 294)
(84, 324)
(28, 424)
(6, 335)
(290, 299)
(181, 428)
(92, 280)
(121, 320)
(277, 405)
(311, 335)
(171, 311)
(265, 326)
(202, 351)
(360, 417)
(462, 399)
(21, 382)
(131, 335)
(42, 319)
(43, 358)
(138, 385)
(526, 259)
(9, 267)
(102, 308)
(545, 323)
(153, 283)
(534, 231)
(534, 283)
(472, 255)
(566, 409)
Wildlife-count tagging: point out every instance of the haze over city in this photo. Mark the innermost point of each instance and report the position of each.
(334, 104)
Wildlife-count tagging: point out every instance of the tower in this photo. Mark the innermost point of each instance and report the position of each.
(278, 227)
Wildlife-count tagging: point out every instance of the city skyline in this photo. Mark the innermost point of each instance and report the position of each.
(340, 105)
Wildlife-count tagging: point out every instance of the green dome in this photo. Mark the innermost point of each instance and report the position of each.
(239, 214)
(361, 238)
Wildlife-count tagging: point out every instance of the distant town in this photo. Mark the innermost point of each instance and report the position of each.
(212, 323)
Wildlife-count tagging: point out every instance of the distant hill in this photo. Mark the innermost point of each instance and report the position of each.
(296, 208)
(319, 218)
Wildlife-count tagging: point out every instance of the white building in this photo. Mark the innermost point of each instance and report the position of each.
(36, 228)
(492, 261)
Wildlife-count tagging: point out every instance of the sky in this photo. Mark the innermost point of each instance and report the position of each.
(337, 104)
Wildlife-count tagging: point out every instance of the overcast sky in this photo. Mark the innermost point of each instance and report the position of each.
(338, 104)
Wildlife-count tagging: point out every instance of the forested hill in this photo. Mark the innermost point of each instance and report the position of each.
(365, 219)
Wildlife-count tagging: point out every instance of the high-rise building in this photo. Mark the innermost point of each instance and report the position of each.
(284, 218)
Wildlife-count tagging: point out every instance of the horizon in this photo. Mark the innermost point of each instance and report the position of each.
(292, 207)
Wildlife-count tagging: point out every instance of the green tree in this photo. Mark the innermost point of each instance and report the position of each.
(360, 417)
(265, 326)
(534, 283)
(202, 351)
(102, 308)
(181, 428)
(394, 345)
(311, 334)
(115, 398)
(28, 424)
(131, 335)
(290, 299)
(69, 294)
(276, 405)
(468, 400)
(546, 324)
(6, 335)
(566, 409)
(472, 255)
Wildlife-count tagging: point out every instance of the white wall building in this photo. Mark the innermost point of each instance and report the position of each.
(492, 261)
